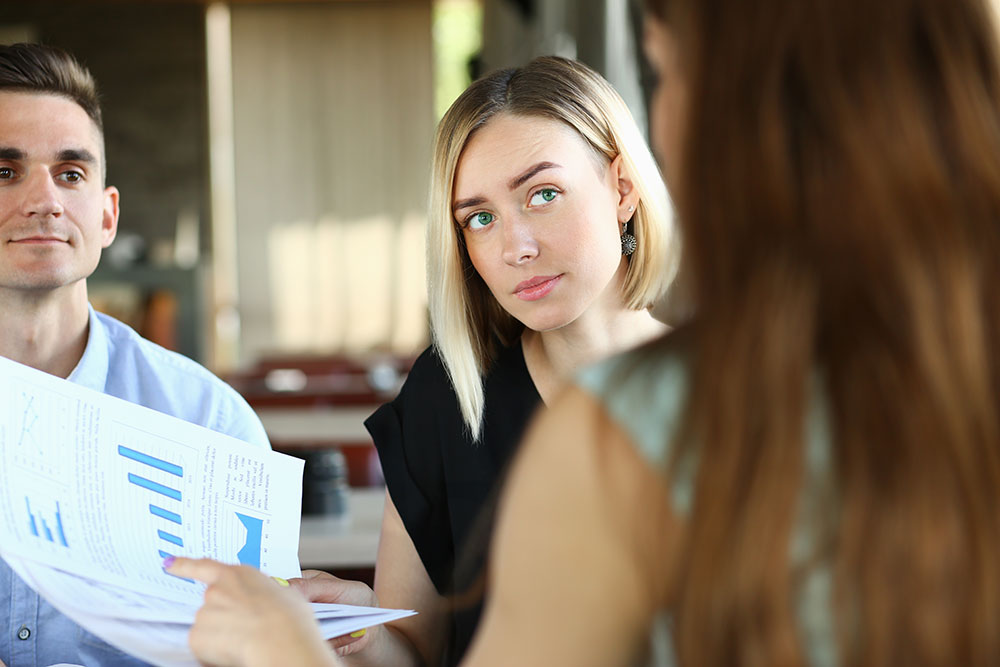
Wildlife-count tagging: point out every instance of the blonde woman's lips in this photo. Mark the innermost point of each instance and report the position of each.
(536, 288)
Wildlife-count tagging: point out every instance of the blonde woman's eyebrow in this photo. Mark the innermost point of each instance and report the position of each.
(468, 203)
(518, 181)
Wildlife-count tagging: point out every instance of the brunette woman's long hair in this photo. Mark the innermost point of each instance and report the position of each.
(839, 201)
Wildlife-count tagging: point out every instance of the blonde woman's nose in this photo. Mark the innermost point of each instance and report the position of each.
(519, 243)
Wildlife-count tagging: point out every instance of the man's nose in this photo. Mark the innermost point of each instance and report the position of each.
(41, 196)
(519, 244)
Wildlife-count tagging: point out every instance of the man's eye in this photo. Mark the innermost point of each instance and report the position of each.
(6, 173)
(480, 220)
(71, 176)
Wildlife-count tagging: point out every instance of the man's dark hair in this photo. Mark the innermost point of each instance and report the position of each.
(35, 68)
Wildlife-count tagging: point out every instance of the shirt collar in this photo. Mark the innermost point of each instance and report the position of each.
(92, 369)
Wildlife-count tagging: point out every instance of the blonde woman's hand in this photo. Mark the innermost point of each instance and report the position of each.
(247, 619)
(319, 586)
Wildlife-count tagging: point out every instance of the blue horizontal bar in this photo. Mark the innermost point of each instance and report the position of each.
(151, 461)
(165, 514)
(171, 574)
(173, 539)
(154, 486)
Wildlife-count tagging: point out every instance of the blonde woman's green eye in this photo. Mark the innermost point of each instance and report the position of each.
(480, 220)
(543, 196)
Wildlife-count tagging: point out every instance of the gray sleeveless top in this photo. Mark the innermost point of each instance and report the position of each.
(645, 394)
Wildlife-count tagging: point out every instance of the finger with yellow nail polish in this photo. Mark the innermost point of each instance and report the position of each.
(354, 642)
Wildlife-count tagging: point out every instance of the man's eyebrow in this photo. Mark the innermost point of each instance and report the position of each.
(10, 153)
(76, 155)
(518, 181)
(468, 203)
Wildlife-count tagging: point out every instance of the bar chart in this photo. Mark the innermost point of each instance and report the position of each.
(166, 496)
(40, 527)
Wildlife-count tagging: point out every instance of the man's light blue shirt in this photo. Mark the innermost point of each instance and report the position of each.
(119, 362)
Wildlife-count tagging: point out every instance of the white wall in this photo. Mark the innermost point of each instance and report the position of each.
(333, 112)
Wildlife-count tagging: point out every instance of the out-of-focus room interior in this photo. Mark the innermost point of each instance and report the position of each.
(273, 161)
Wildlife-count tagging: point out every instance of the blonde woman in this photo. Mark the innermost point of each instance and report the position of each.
(549, 238)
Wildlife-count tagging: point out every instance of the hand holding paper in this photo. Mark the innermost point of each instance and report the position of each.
(317, 586)
(247, 618)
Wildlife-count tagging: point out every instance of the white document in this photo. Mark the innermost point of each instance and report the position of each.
(96, 492)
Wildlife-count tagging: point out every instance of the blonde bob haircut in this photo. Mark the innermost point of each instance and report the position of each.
(467, 323)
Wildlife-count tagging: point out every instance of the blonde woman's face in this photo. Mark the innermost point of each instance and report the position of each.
(541, 220)
(668, 103)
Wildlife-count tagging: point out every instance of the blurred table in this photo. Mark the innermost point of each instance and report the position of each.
(344, 543)
(340, 425)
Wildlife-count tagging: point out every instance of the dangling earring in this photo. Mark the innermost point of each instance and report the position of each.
(628, 240)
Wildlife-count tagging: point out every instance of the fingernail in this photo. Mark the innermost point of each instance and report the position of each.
(359, 633)
(281, 582)
(167, 562)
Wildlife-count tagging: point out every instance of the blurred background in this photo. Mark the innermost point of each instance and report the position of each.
(273, 156)
(273, 160)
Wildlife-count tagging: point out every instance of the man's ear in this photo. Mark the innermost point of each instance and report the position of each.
(628, 195)
(109, 225)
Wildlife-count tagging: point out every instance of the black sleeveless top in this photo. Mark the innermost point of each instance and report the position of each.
(444, 484)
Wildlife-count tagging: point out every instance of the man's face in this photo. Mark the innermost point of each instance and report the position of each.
(55, 213)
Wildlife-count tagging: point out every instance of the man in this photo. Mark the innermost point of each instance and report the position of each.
(56, 215)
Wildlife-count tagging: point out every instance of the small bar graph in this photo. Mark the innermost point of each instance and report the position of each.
(165, 514)
(46, 532)
(151, 461)
(154, 486)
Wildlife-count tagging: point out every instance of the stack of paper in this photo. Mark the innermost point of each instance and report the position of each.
(96, 492)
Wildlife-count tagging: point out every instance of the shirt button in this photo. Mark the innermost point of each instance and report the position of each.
(23, 633)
